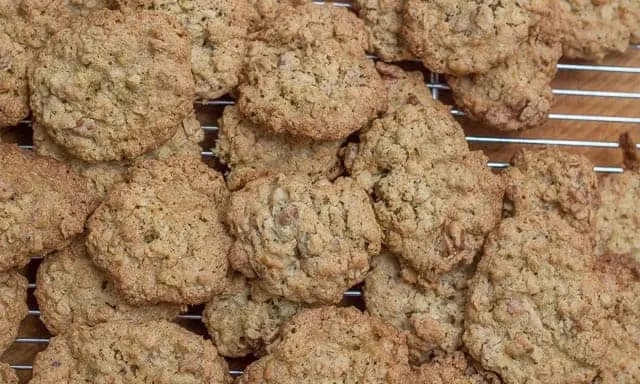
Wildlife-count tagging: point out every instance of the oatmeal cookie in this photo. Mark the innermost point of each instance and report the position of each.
(333, 345)
(43, 205)
(306, 241)
(160, 235)
(552, 180)
(72, 291)
(7, 374)
(383, 19)
(631, 18)
(245, 319)
(113, 86)
(307, 75)
(13, 306)
(405, 87)
(463, 37)
(455, 368)
(433, 315)
(14, 89)
(516, 94)
(122, 352)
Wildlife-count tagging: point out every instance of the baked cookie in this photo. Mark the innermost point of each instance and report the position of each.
(160, 236)
(431, 315)
(333, 345)
(102, 176)
(462, 37)
(14, 89)
(631, 18)
(270, 9)
(306, 241)
(113, 86)
(383, 19)
(455, 368)
(13, 306)
(306, 74)
(405, 87)
(515, 94)
(252, 152)
(72, 291)
(7, 374)
(245, 319)
(552, 180)
(122, 352)
(43, 205)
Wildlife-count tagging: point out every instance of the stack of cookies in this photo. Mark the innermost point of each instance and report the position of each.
(334, 172)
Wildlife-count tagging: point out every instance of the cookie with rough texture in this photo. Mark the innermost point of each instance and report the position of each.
(72, 291)
(43, 205)
(515, 94)
(160, 236)
(306, 241)
(331, 345)
(114, 85)
(631, 18)
(432, 315)
(122, 352)
(251, 152)
(306, 74)
(455, 368)
(383, 19)
(405, 87)
(102, 176)
(7, 374)
(463, 37)
(270, 9)
(552, 180)
(245, 319)
(14, 89)
(13, 306)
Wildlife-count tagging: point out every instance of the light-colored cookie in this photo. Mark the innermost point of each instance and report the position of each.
(113, 86)
(515, 94)
(460, 37)
(7, 374)
(43, 205)
(270, 9)
(383, 19)
(631, 18)
(245, 319)
(432, 315)
(306, 241)
(72, 291)
(331, 345)
(13, 306)
(405, 87)
(252, 152)
(122, 352)
(454, 368)
(552, 180)
(307, 74)
(14, 89)
(160, 235)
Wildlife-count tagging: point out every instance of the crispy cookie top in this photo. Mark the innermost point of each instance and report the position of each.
(13, 306)
(383, 20)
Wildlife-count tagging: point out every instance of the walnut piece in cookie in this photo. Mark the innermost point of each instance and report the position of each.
(113, 85)
(328, 345)
(305, 241)
(43, 205)
(122, 352)
(160, 235)
(13, 306)
(252, 152)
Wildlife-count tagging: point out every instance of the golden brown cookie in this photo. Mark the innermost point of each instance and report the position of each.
(631, 18)
(72, 291)
(113, 86)
(460, 37)
(160, 237)
(13, 306)
(305, 241)
(405, 87)
(252, 152)
(7, 374)
(14, 89)
(383, 19)
(455, 368)
(329, 345)
(122, 352)
(43, 205)
(245, 319)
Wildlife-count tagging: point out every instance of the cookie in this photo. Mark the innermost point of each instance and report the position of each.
(455, 368)
(122, 352)
(90, 94)
(251, 152)
(13, 306)
(245, 320)
(405, 87)
(160, 236)
(460, 37)
(516, 94)
(432, 315)
(631, 18)
(306, 74)
(14, 89)
(552, 180)
(270, 9)
(333, 345)
(102, 176)
(72, 291)
(43, 205)
(383, 19)
(7, 374)
(306, 241)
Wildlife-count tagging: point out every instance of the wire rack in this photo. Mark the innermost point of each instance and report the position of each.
(577, 135)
